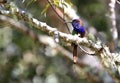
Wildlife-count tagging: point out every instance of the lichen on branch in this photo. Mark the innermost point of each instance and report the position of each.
(102, 51)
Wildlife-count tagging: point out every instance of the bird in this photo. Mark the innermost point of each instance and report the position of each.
(78, 28)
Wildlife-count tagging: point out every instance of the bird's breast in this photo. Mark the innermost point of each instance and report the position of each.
(79, 29)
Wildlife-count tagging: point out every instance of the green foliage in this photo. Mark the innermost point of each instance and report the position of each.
(26, 59)
(45, 9)
(56, 3)
(91, 37)
(5, 36)
(23, 42)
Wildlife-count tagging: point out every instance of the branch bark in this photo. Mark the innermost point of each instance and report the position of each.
(46, 40)
(114, 31)
(108, 59)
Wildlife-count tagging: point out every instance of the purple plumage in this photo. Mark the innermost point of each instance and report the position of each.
(79, 29)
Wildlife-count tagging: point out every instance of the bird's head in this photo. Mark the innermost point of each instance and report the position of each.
(77, 21)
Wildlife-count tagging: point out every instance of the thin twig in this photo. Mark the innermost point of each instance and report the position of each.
(64, 21)
(102, 51)
(114, 30)
(61, 17)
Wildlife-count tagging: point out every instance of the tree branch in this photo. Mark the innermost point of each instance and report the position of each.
(102, 51)
(46, 40)
(114, 31)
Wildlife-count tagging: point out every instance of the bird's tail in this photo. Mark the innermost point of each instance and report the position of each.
(75, 53)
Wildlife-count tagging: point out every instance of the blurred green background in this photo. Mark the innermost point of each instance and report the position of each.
(22, 60)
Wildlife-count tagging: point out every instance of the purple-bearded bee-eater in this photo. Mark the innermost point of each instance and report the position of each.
(78, 28)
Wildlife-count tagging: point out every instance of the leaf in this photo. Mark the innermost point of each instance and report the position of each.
(56, 3)
(45, 9)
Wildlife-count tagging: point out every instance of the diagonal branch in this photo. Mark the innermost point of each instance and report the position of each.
(59, 13)
(46, 40)
(102, 51)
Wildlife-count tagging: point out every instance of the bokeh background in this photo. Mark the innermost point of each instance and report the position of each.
(22, 60)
